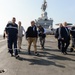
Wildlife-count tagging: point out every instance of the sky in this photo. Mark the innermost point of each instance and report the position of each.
(28, 10)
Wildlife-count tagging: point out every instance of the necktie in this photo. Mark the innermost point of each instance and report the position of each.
(67, 30)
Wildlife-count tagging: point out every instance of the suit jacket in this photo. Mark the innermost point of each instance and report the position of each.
(64, 33)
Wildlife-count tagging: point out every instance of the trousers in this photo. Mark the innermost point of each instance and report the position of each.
(63, 45)
(34, 41)
(12, 44)
(19, 42)
(42, 41)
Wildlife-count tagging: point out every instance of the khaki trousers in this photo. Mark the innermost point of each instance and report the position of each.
(19, 42)
(30, 41)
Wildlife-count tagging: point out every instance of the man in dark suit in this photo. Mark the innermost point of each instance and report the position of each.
(59, 37)
(66, 35)
(31, 35)
(63, 36)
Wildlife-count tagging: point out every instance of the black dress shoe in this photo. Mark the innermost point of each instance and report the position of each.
(17, 56)
(29, 52)
(65, 53)
(20, 48)
(12, 55)
(36, 54)
(71, 50)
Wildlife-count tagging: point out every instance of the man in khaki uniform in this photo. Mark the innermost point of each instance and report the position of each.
(20, 34)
